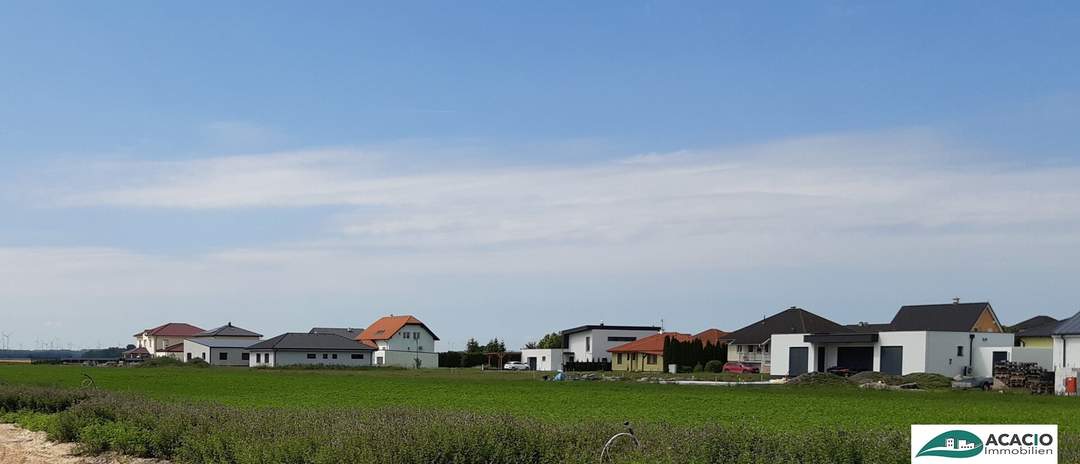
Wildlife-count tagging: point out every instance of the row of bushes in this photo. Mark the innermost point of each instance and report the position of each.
(206, 433)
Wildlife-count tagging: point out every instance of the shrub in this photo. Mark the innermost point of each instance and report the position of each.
(714, 366)
(699, 368)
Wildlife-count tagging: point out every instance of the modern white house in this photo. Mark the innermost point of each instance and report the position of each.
(401, 341)
(166, 340)
(543, 359)
(218, 351)
(1066, 352)
(311, 349)
(948, 339)
(590, 343)
(753, 344)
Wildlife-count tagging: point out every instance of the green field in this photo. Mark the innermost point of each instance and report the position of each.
(477, 412)
(525, 395)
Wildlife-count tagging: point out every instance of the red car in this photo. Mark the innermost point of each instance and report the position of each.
(740, 368)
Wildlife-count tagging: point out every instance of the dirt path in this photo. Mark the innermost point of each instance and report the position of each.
(20, 446)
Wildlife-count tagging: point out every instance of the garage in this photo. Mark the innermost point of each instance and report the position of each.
(855, 358)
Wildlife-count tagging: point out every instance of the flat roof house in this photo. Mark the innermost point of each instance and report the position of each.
(590, 343)
(401, 341)
(752, 344)
(949, 339)
(312, 349)
(1066, 351)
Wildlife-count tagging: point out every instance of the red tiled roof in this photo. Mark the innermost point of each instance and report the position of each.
(713, 336)
(176, 348)
(653, 344)
(172, 329)
(139, 350)
(386, 327)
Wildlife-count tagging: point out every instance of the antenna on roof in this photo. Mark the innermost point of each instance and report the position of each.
(661, 325)
(956, 300)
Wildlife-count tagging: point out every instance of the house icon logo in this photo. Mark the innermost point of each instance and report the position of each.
(953, 444)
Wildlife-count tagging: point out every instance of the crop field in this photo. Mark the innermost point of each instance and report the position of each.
(579, 415)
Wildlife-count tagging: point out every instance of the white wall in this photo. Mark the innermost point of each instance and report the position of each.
(915, 349)
(941, 357)
(265, 358)
(404, 358)
(426, 342)
(781, 344)
(599, 344)
(344, 358)
(1066, 360)
(196, 350)
(546, 359)
(1044, 357)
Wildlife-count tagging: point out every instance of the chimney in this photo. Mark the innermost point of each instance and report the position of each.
(956, 300)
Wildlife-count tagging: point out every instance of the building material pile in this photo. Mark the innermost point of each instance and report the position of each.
(1025, 375)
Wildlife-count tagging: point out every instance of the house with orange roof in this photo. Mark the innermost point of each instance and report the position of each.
(401, 341)
(166, 340)
(644, 354)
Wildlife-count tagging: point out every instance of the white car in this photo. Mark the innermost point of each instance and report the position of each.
(516, 366)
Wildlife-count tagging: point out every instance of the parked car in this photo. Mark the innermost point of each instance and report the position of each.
(740, 368)
(516, 366)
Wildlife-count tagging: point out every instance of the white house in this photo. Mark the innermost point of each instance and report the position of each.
(312, 349)
(752, 344)
(163, 340)
(1066, 352)
(543, 359)
(218, 351)
(590, 343)
(401, 341)
(949, 339)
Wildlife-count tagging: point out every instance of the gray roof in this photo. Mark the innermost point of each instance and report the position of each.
(228, 330)
(308, 341)
(347, 332)
(1037, 321)
(1070, 326)
(791, 320)
(219, 343)
(864, 327)
(948, 317)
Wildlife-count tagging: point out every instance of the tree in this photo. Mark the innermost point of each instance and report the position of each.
(472, 346)
(494, 346)
(550, 341)
(530, 345)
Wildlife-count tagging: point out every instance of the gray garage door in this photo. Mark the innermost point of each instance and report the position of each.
(892, 360)
(798, 360)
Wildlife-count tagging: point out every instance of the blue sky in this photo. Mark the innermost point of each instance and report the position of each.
(507, 170)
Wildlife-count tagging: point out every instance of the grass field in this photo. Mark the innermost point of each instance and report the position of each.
(524, 394)
(477, 413)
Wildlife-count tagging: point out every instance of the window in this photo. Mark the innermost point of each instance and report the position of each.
(379, 360)
(738, 348)
(633, 356)
(416, 335)
(618, 358)
(358, 355)
(258, 357)
(651, 359)
(324, 356)
(419, 348)
(621, 339)
(543, 358)
(335, 356)
(588, 343)
(959, 350)
(223, 356)
(245, 356)
(203, 356)
(188, 356)
(311, 355)
(406, 335)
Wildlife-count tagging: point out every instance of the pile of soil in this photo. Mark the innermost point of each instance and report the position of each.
(819, 379)
(873, 377)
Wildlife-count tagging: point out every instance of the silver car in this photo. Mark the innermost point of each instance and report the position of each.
(516, 366)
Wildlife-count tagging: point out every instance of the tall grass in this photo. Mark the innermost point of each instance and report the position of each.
(209, 433)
